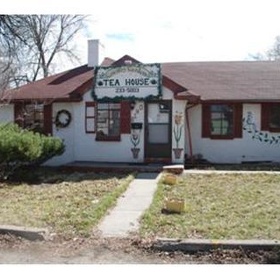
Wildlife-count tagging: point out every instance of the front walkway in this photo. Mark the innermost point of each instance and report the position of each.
(124, 218)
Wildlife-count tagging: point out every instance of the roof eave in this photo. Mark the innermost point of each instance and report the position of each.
(186, 95)
(251, 101)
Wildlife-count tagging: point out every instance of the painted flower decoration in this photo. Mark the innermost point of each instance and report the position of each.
(178, 118)
(177, 131)
(135, 139)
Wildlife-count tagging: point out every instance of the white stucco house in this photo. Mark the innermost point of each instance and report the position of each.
(126, 111)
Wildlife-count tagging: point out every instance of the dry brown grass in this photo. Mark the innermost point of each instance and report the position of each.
(218, 207)
(68, 204)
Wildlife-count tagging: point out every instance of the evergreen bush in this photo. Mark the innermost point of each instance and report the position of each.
(21, 148)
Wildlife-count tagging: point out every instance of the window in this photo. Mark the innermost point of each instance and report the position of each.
(90, 117)
(158, 122)
(111, 120)
(34, 116)
(108, 121)
(222, 121)
(270, 117)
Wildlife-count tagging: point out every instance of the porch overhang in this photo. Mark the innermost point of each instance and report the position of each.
(186, 95)
(180, 92)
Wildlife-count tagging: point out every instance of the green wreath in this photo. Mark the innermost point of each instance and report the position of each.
(63, 118)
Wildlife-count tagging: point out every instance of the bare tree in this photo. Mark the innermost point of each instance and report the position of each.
(30, 43)
(6, 72)
(274, 52)
(257, 56)
(271, 54)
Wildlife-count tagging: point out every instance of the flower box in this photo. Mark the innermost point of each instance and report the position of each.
(170, 179)
(175, 205)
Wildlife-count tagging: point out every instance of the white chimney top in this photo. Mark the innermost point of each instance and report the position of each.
(94, 49)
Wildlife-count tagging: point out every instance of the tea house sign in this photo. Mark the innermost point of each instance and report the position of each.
(136, 81)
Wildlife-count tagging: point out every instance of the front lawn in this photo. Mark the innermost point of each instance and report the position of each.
(229, 206)
(68, 204)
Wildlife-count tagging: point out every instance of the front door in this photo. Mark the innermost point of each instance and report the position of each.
(158, 131)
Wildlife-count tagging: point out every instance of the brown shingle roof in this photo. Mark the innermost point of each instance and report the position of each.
(242, 81)
(69, 84)
(245, 80)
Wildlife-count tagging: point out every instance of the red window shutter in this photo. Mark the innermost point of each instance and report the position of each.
(206, 121)
(125, 117)
(18, 114)
(238, 125)
(48, 119)
(265, 116)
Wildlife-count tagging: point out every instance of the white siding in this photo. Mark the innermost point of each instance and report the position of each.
(6, 113)
(231, 151)
(81, 146)
(67, 134)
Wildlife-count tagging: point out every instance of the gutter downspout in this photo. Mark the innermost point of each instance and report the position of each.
(188, 136)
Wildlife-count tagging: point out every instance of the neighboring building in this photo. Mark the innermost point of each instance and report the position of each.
(125, 111)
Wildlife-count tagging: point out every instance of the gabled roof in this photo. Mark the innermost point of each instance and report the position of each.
(211, 81)
(180, 92)
(236, 81)
(63, 86)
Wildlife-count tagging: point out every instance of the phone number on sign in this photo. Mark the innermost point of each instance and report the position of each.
(122, 90)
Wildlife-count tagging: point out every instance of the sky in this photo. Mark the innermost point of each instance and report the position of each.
(190, 30)
(170, 31)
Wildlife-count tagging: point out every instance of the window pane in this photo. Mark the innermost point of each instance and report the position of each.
(108, 119)
(221, 120)
(158, 133)
(103, 116)
(90, 125)
(275, 116)
(115, 106)
(34, 117)
(90, 111)
(158, 113)
(103, 106)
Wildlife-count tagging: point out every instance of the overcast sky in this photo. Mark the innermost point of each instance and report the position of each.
(174, 30)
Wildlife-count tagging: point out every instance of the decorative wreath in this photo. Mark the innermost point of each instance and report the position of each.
(63, 118)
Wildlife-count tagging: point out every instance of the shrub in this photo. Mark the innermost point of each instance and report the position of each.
(21, 148)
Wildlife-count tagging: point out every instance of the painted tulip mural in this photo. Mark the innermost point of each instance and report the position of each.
(177, 132)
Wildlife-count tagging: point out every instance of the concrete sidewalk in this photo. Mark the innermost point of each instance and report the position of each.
(123, 219)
